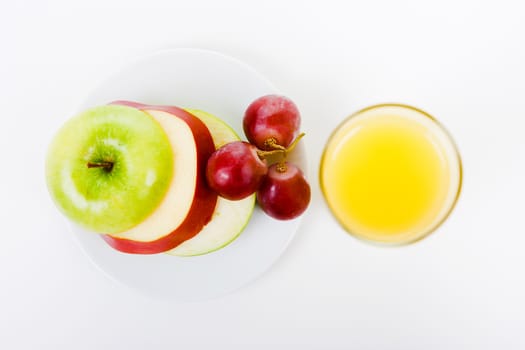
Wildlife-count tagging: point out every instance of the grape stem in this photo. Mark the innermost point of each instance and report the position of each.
(281, 167)
(294, 143)
(263, 154)
(272, 144)
(278, 149)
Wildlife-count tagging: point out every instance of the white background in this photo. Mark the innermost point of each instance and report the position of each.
(462, 288)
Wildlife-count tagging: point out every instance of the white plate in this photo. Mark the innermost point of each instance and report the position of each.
(222, 86)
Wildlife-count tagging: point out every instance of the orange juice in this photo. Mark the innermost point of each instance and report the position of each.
(390, 174)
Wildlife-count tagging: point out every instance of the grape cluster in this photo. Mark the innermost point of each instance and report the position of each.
(238, 169)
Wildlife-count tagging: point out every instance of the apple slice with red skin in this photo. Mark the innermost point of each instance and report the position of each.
(172, 223)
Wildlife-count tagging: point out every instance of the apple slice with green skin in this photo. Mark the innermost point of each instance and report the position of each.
(109, 168)
(230, 217)
(189, 204)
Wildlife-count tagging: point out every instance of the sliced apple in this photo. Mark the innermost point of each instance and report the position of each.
(188, 204)
(109, 168)
(230, 217)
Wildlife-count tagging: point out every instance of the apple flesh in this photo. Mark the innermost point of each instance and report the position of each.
(109, 168)
(189, 204)
(230, 217)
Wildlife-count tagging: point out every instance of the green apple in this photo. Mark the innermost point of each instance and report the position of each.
(109, 168)
(230, 217)
(189, 203)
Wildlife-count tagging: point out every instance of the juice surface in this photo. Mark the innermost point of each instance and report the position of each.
(387, 177)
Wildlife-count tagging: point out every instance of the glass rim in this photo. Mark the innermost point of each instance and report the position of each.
(451, 206)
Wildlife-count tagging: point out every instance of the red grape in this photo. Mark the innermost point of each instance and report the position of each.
(235, 170)
(271, 119)
(284, 193)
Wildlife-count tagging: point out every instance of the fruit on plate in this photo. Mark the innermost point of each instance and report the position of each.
(235, 170)
(109, 168)
(230, 217)
(189, 203)
(158, 179)
(271, 122)
(284, 193)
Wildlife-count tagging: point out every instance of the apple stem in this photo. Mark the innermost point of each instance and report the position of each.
(106, 165)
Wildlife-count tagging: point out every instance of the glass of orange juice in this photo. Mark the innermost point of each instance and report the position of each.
(391, 174)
